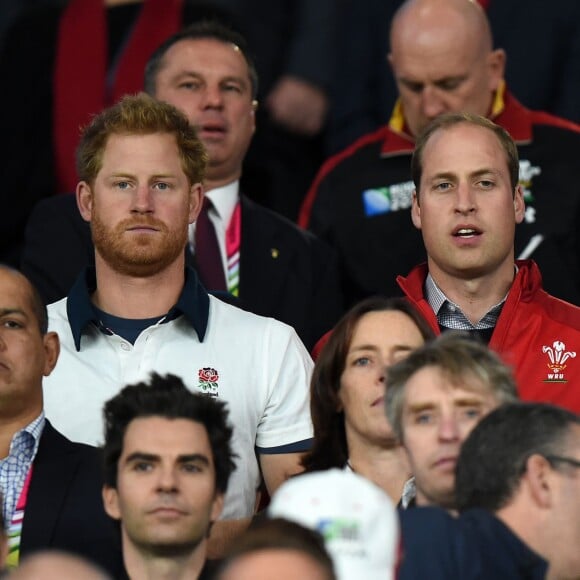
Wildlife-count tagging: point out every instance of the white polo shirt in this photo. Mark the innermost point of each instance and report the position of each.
(257, 365)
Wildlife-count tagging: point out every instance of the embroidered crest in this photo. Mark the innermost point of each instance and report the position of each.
(558, 355)
(394, 197)
(208, 381)
(527, 173)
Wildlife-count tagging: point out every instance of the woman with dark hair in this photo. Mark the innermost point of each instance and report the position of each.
(347, 392)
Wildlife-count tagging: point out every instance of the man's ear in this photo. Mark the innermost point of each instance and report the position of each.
(51, 351)
(416, 210)
(496, 68)
(85, 200)
(539, 479)
(519, 204)
(217, 506)
(196, 196)
(255, 105)
(111, 502)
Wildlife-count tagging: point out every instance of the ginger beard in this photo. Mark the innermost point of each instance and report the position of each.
(138, 254)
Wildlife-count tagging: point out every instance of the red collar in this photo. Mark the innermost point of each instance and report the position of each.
(505, 111)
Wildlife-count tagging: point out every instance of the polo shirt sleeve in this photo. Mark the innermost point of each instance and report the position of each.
(285, 425)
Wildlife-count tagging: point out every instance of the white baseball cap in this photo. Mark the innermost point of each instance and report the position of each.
(357, 520)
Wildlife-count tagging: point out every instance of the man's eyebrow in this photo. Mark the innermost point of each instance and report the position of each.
(193, 458)
(484, 171)
(234, 78)
(10, 311)
(121, 174)
(443, 175)
(468, 402)
(450, 79)
(413, 82)
(227, 79)
(419, 407)
(162, 176)
(187, 73)
(152, 457)
(141, 456)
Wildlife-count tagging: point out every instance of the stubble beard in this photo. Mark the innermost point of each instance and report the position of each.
(138, 255)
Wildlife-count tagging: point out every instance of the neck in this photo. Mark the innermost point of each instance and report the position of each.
(146, 566)
(386, 467)
(11, 423)
(475, 296)
(541, 535)
(423, 501)
(138, 297)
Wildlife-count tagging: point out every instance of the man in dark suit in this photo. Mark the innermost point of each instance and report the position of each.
(50, 486)
(274, 268)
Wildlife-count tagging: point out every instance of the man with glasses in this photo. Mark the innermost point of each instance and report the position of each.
(521, 465)
(518, 493)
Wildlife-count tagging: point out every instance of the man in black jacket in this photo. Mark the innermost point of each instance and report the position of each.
(50, 486)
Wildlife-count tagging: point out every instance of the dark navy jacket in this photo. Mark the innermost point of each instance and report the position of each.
(474, 546)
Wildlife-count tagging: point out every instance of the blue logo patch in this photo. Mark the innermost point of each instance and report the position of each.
(381, 200)
(376, 201)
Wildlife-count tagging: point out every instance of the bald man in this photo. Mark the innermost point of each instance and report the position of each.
(442, 58)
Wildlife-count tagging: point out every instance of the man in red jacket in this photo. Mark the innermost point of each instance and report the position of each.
(467, 203)
(443, 60)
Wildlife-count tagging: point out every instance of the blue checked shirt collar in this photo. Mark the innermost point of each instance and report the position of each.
(14, 468)
(450, 314)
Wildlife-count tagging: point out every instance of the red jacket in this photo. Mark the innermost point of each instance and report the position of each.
(537, 334)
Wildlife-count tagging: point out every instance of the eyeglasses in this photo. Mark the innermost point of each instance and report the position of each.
(560, 459)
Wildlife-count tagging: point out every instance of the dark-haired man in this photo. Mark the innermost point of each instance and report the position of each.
(168, 461)
(522, 464)
(518, 492)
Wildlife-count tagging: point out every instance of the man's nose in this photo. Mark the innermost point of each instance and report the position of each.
(143, 199)
(432, 105)
(212, 97)
(167, 479)
(465, 199)
(448, 429)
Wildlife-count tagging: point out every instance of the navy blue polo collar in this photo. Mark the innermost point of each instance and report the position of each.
(193, 303)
